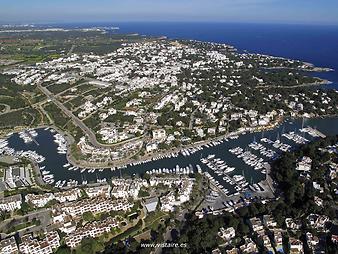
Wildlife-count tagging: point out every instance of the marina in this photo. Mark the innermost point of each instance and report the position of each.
(234, 164)
(110, 125)
(28, 136)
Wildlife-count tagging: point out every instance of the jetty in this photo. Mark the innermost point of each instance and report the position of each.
(32, 137)
(317, 132)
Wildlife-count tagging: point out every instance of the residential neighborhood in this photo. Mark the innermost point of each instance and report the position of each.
(114, 142)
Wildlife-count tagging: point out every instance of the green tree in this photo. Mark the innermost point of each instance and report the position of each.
(88, 216)
(89, 246)
(63, 250)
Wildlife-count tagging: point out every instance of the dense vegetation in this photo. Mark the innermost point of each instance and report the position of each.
(298, 193)
(22, 117)
(59, 118)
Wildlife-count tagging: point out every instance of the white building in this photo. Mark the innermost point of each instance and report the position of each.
(124, 188)
(40, 200)
(10, 203)
(159, 134)
(304, 164)
(151, 147)
(102, 190)
(296, 246)
(257, 225)
(227, 234)
(9, 246)
(151, 204)
(93, 230)
(48, 245)
(94, 205)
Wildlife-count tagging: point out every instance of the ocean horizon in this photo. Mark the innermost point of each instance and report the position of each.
(295, 42)
(316, 44)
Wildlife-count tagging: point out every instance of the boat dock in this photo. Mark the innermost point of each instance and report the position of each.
(317, 132)
(33, 138)
(313, 132)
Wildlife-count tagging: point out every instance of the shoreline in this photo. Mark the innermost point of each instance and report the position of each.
(160, 154)
(322, 82)
(313, 68)
(199, 144)
(164, 154)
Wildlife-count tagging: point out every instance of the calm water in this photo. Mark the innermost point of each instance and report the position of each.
(315, 44)
(54, 162)
(309, 43)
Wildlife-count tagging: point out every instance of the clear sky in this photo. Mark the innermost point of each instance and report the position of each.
(256, 11)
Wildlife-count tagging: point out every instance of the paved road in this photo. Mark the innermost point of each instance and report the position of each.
(71, 50)
(91, 136)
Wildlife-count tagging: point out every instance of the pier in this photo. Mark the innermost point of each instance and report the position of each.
(33, 139)
(317, 132)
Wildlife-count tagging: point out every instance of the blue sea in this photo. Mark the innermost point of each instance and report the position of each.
(317, 44)
(309, 43)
